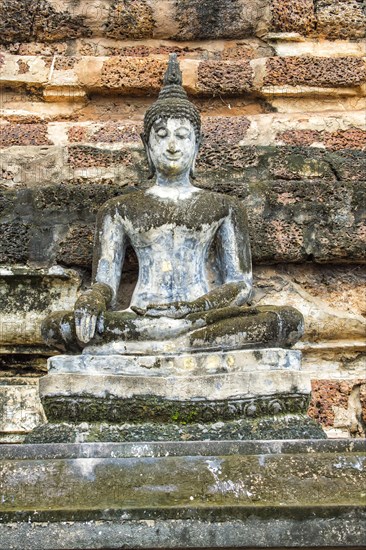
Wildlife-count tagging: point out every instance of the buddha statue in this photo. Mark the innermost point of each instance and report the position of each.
(195, 277)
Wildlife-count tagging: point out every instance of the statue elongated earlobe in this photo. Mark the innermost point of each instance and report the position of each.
(150, 162)
(192, 172)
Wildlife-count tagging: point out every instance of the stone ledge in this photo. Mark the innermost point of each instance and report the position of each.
(316, 529)
(186, 494)
(126, 75)
(182, 365)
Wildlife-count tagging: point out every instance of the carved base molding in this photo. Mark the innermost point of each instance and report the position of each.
(231, 395)
(294, 426)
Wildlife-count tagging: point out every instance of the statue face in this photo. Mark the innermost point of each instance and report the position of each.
(172, 146)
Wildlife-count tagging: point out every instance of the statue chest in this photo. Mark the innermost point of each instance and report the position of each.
(172, 241)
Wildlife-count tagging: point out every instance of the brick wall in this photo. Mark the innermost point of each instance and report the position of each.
(281, 87)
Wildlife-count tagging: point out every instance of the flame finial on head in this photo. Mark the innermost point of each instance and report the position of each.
(173, 73)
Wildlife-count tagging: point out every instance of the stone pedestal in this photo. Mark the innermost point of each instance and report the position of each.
(242, 394)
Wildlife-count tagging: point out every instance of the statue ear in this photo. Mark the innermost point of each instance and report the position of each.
(149, 161)
(198, 145)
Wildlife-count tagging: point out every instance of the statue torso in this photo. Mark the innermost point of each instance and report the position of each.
(172, 240)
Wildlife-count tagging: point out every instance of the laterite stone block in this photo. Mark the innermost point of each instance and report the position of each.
(315, 71)
(229, 78)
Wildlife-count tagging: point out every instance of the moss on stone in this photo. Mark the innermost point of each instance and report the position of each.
(268, 428)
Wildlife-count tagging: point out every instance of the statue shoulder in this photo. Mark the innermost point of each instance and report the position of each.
(123, 203)
(226, 201)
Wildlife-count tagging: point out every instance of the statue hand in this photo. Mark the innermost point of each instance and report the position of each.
(88, 308)
(174, 310)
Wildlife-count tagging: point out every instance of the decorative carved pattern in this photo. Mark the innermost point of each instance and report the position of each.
(84, 408)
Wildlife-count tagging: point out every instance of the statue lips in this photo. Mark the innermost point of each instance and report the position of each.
(173, 157)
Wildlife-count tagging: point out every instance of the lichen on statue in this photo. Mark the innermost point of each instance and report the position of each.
(192, 245)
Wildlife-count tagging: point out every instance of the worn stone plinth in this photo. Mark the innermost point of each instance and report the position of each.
(20, 407)
(183, 495)
(242, 394)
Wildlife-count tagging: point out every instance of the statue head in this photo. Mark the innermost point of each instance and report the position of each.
(172, 126)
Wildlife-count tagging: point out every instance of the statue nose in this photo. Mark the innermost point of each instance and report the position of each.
(172, 146)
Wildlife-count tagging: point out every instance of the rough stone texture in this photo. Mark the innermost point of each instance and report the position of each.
(324, 530)
(304, 202)
(341, 405)
(27, 20)
(291, 426)
(110, 132)
(331, 130)
(144, 395)
(205, 19)
(70, 78)
(341, 287)
(300, 137)
(130, 19)
(320, 71)
(341, 139)
(332, 19)
(305, 193)
(14, 244)
(278, 227)
(26, 295)
(221, 139)
(230, 78)
(76, 247)
(341, 19)
(132, 75)
(325, 319)
(63, 63)
(346, 139)
(350, 166)
(71, 202)
(23, 134)
(83, 155)
(293, 16)
(250, 48)
(117, 133)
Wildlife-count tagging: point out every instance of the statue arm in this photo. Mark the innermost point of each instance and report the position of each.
(109, 251)
(234, 257)
(109, 247)
(234, 262)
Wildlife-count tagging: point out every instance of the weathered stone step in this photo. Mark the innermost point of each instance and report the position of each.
(161, 495)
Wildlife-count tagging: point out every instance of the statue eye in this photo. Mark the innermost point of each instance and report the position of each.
(161, 132)
(183, 133)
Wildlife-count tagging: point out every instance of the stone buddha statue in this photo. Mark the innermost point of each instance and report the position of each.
(192, 246)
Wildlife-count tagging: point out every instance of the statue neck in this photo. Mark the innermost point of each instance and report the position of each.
(181, 181)
(177, 187)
